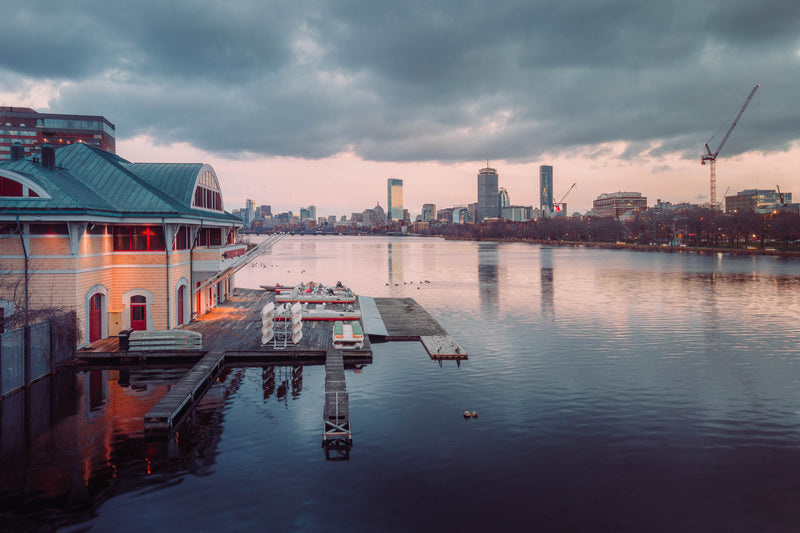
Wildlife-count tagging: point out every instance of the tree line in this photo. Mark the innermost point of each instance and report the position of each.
(698, 227)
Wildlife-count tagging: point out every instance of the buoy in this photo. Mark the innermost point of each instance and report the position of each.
(467, 414)
(474, 414)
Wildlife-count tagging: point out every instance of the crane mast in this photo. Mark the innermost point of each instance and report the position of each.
(712, 157)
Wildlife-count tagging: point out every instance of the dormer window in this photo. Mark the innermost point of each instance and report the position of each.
(13, 189)
(206, 193)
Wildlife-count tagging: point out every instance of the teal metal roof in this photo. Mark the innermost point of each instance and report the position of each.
(87, 179)
(175, 179)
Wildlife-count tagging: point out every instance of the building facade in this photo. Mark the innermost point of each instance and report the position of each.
(488, 206)
(516, 213)
(394, 191)
(125, 245)
(428, 212)
(619, 204)
(757, 200)
(546, 189)
(32, 130)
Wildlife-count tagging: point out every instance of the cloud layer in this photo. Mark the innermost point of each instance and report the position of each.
(407, 81)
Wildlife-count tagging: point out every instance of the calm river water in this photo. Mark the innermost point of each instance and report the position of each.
(616, 391)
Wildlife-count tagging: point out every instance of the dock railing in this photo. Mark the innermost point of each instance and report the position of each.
(240, 261)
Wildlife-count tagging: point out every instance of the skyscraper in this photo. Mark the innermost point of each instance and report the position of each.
(546, 189)
(394, 188)
(250, 211)
(487, 194)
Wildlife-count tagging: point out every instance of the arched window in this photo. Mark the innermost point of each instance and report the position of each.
(207, 192)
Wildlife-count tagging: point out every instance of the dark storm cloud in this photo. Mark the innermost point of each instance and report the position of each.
(455, 81)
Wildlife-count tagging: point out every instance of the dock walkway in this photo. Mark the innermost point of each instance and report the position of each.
(162, 417)
(336, 433)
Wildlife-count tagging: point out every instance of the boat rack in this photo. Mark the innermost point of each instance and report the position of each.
(282, 325)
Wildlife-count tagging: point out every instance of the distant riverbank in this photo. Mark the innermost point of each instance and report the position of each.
(643, 247)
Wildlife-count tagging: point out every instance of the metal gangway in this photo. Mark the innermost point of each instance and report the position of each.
(240, 262)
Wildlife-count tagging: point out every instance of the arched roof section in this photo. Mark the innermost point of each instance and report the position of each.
(176, 180)
(26, 186)
(207, 193)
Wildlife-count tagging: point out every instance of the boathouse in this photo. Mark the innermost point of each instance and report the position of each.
(143, 246)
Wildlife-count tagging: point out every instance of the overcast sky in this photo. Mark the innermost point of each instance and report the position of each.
(315, 102)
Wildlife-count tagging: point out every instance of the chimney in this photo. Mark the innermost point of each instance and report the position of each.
(48, 156)
(17, 152)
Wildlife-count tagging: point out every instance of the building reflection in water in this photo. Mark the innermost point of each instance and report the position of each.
(547, 284)
(78, 437)
(395, 267)
(488, 284)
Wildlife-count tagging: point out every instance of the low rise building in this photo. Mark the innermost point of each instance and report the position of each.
(759, 201)
(32, 129)
(619, 204)
(125, 245)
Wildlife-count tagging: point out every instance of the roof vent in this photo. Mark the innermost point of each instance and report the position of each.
(48, 156)
(17, 152)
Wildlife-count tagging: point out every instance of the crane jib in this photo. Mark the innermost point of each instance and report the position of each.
(735, 121)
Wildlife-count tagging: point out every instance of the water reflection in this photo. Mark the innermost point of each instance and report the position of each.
(488, 288)
(72, 436)
(268, 381)
(284, 380)
(546, 282)
(395, 257)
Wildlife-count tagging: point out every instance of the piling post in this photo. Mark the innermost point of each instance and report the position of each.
(26, 355)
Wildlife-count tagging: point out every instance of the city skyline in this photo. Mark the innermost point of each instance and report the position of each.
(623, 101)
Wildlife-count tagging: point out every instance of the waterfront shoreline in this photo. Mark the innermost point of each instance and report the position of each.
(640, 247)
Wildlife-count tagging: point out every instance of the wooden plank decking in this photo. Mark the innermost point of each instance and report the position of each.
(232, 332)
(406, 320)
(234, 328)
(161, 418)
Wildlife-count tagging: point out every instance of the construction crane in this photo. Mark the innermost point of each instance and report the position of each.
(712, 157)
(556, 206)
(723, 198)
(780, 194)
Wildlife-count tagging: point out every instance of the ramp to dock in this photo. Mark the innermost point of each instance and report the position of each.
(371, 317)
(405, 320)
(162, 418)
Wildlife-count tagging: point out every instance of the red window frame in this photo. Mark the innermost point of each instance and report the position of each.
(138, 239)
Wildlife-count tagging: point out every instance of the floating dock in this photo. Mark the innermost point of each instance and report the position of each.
(337, 437)
(403, 319)
(162, 418)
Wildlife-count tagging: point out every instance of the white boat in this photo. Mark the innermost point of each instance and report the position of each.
(316, 293)
(322, 312)
(347, 335)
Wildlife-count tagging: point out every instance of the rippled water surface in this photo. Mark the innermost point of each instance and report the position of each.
(616, 391)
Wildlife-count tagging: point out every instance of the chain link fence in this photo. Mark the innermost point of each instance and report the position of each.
(50, 343)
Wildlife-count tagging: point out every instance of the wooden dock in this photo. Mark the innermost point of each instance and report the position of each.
(162, 418)
(234, 328)
(231, 334)
(337, 437)
(405, 320)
